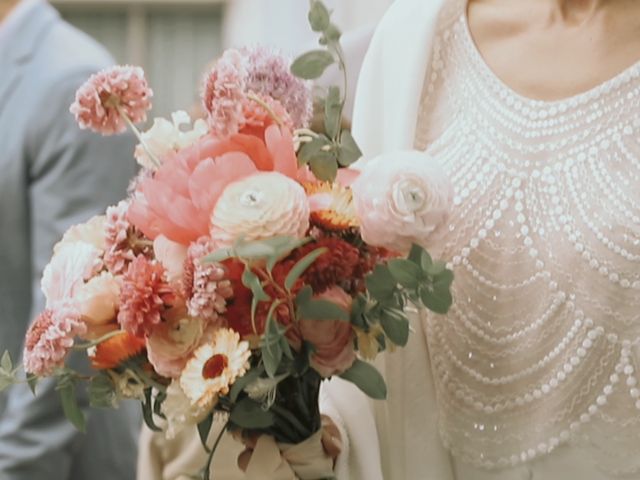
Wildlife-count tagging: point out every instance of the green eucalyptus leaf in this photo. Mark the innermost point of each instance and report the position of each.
(435, 269)
(32, 381)
(322, 310)
(415, 254)
(380, 283)
(367, 378)
(310, 150)
(301, 266)
(5, 381)
(5, 362)
(67, 390)
(331, 35)
(102, 392)
(405, 272)
(333, 112)
(252, 282)
(243, 381)
(312, 65)
(250, 415)
(324, 166)
(204, 428)
(438, 302)
(396, 326)
(219, 256)
(319, 16)
(270, 344)
(349, 150)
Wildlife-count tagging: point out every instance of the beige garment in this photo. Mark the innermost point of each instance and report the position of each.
(184, 456)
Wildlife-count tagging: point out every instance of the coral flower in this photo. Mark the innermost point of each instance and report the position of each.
(144, 295)
(331, 206)
(178, 200)
(102, 101)
(214, 367)
(114, 351)
(49, 339)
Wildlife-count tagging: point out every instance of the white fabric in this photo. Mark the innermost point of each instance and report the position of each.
(573, 368)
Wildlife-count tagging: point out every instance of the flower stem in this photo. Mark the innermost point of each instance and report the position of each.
(93, 343)
(138, 135)
(207, 469)
(269, 110)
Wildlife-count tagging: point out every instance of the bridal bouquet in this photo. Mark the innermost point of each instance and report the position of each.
(246, 266)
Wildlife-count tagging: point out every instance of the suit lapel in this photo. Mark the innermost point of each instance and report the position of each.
(26, 36)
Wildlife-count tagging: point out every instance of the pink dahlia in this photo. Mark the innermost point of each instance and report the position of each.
(205, 285)
(144, 295)
(49, 339)
(269, 74)
(102, 101)
(224, 92)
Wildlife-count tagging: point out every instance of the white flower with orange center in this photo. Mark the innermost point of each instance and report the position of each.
(214, 367)
(332, 206)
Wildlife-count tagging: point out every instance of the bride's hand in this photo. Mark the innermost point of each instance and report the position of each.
(331, 442)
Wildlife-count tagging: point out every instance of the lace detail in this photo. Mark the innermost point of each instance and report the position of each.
(542, 345)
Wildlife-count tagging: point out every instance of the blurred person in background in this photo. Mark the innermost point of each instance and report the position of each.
(53, 175)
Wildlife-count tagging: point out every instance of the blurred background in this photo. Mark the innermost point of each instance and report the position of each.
(174, 40)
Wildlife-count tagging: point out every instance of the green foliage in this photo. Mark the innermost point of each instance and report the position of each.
(272, 343)
(349, 151)
(249, 414)
(204, 428)
(324, 166)
(319, 17)
(102, 392)
(7, 372)
(314, 309)
(333, 112)
(147, 410)
(301, 266)
(66, 388)
(312, 65)
(395, 325)
(312, 149)
(367, 378)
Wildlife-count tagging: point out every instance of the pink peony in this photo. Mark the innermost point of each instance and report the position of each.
(49, 339)
(103, 100)
(178, 200)
(332, 339)
(144, 295)
(205, 286)
(269, 74)
(171, 342)
(224, 93)
(400, 199)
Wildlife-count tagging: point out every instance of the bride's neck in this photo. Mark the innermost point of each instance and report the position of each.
(574, 11)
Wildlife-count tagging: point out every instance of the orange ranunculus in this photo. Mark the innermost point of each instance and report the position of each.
(113, 352)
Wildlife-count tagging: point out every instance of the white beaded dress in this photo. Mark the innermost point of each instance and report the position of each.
(533, 373)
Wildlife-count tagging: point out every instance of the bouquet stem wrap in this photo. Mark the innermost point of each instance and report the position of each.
(281, 461)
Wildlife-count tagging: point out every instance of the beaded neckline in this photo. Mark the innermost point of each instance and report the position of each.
(626, 75)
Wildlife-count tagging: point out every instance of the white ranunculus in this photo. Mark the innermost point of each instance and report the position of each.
(91, 232)
(264, 205)
(401, 198)
(165, 137)
(179, 411)
(97, 300)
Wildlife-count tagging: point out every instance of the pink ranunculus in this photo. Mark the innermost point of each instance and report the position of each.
(50, 338)
(178, 200)
(332, 339)
(401, 198)
(102, 101)
(171, 342)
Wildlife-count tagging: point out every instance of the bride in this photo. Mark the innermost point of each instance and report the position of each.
(534, 110)
(533, 107)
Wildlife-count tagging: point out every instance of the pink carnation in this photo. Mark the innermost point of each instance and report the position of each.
(144, 295)
(269, 74)
(102, 100)
(118, 253)
(205, 285)
(224, 92)
(50, 338)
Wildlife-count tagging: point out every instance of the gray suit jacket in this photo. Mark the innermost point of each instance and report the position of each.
(52, 175)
